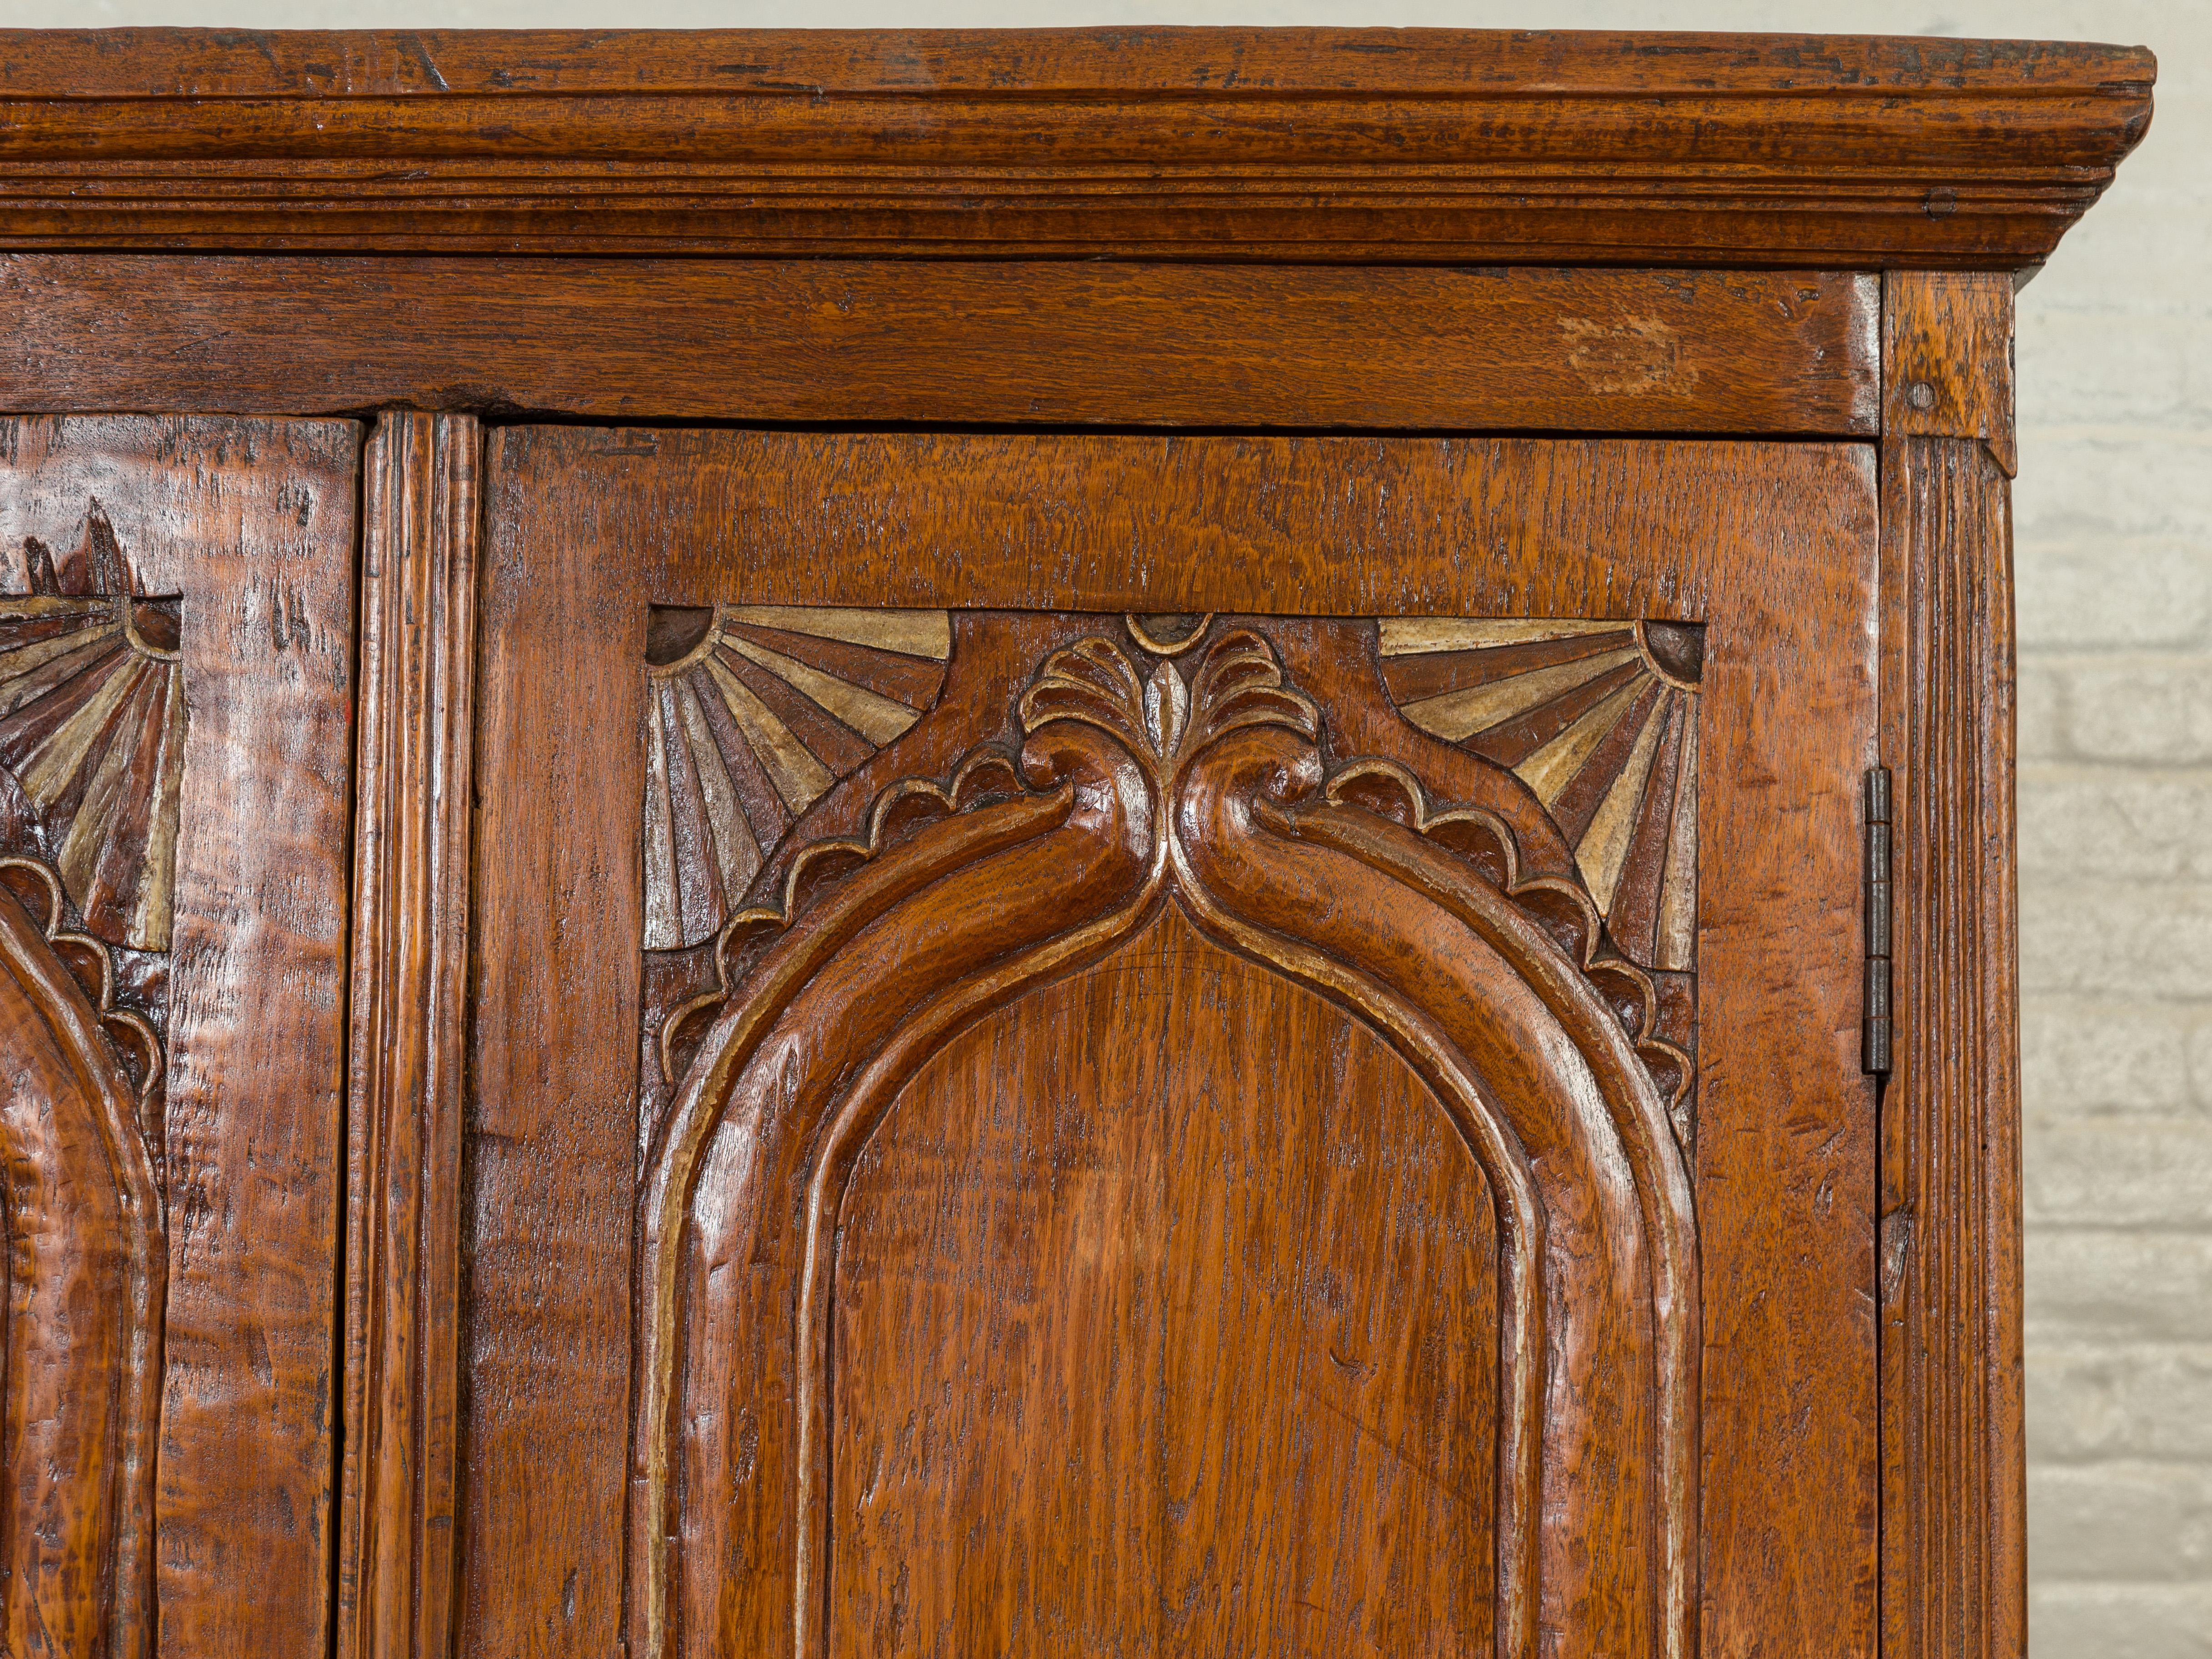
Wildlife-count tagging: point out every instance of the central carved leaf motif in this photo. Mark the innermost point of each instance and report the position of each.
(1239, 684)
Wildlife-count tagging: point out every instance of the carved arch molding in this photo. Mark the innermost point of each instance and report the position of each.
(92, 734)
(1475, 838)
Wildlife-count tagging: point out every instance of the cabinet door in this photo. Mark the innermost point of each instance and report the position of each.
(176, 619)
(1169, 1045)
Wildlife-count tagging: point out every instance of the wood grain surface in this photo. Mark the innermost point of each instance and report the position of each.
(1770, 547)
(1947, 359)
(249, 525)
(1387, 146)
(408, 1062)
(1131, 1222)
(256, 1142)
(1025, 342)
(550, 1142)
(1953, 1465)
(1344, 527)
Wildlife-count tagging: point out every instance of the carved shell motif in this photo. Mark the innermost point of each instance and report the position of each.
(749, 726)
(92, 734)
(1600, 720)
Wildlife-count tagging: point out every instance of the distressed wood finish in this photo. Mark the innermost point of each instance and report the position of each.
(844, 340)
(257, 1023)
(250, 526)
(1288, 145)
(408, 1062)
(1771, 548)
(1955, 1577)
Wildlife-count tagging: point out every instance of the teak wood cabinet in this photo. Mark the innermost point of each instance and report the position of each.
(1164, 842)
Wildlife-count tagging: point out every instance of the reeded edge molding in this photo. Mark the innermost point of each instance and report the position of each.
(407, 1065)
(1231, 144)
(1953, 1569)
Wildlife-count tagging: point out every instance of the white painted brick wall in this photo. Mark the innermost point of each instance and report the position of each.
(2114, 515)
(2114, 563)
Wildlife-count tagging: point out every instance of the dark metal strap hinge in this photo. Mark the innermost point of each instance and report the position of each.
(1875, 1030)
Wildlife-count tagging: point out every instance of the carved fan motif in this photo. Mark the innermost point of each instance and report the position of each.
(92, 733)
(749, 723)
(1600, 720)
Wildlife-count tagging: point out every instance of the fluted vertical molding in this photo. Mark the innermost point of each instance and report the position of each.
(1954, 1526)
(396, 1577)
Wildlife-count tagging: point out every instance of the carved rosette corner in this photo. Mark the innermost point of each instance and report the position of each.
(92, 734)
(1190, 772)
(755, 712)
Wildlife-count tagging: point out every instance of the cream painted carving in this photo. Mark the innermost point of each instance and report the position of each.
(1600, 720)
(752, 723)
(92, 735)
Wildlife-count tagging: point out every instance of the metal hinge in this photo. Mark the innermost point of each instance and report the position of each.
(1874, 1031)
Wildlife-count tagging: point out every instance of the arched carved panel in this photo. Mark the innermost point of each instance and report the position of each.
(86, 1267)
(92, 735)
(1166, 769)
(178, 702)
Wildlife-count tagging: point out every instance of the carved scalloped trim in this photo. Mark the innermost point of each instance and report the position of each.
(1237, 683)
(984, 775)
(1562, 909)
(1240, 682)
(90, 965)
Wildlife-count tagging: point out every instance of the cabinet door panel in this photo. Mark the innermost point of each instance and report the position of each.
(1167, 1264)
(175, 745)
(1195, 1044)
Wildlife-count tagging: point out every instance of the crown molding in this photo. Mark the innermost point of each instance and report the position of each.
(1269, 145)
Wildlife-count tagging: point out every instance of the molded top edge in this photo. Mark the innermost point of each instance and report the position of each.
(73, 64)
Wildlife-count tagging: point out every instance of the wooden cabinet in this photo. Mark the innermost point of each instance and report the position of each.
(1119, 874)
